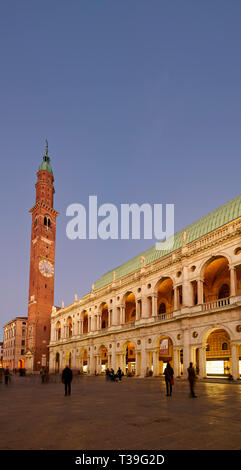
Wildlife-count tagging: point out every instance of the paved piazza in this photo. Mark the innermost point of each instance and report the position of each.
(133, 414)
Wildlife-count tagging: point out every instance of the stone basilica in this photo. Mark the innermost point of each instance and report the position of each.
(179, 306)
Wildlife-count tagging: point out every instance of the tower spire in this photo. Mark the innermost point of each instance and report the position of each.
(47, 148)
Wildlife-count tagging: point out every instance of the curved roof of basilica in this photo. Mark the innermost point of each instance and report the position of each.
(224, 214)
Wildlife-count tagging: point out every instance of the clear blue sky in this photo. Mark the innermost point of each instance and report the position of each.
(140, 102)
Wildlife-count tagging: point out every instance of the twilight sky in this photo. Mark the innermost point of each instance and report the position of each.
(140, 102)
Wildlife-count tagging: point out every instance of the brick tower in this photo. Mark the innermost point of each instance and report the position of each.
(42, 261)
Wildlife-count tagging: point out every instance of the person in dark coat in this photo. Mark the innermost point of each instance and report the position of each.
(119, 374)
(67, 377)
(192, 379)
(168, 372)
(7, 376)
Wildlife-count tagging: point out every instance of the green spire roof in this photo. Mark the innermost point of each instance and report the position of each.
(221, 216)
(45, 165)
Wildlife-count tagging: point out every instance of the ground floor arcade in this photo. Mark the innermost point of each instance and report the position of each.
(216, 354)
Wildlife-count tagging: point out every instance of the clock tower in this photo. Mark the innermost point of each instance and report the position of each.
(42, 261)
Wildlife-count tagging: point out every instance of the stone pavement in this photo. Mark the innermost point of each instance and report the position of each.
(132, 414)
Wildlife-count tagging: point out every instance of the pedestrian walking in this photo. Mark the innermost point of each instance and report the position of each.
(192, 380)
(6, 376)
(169, 373)
(120, 374)
(67, 377)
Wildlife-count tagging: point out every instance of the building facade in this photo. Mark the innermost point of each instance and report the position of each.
(14, 343)
(42, 263)
(179, 306)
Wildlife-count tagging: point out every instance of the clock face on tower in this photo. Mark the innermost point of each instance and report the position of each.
(46, 268)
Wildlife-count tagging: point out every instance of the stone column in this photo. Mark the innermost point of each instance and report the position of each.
(51, 361)
(113, 349)
(123, 362)
(202, 361)
(154, 305)
(109, 322)
(81, 360)
(137, 363)
(235, 361)
(114, 316)
(145, 307)
(186, 352)
(53, 332)
(74, 360)
(143, 359)
(200, 291)
(187, 297)
(138, 309)
(156, 362)
(233, 281)
(122, 314)
(176, 298)
(175, 362)
(92, 362)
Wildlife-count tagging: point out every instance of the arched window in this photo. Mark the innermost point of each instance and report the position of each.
(224, 346)
(70, 327)
(47, 221)
(162, 308)
(224, 291)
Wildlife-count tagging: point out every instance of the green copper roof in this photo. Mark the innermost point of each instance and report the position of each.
(222, 215)
(45, 165)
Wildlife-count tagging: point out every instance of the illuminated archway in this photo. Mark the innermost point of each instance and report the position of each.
(216, 276)
(21, 364)
(84, 318)
(165, 296)
(104, 316)
(83, 356)
(130, 307)
(103, 353)
(164, 347)
(70, 327)
(130, 358)
(218, 353)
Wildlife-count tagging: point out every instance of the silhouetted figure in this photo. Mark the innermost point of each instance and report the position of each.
(168, 372)
(192, 379)
(120, 374)
(42, 375)
(67, 376)
(6, 376)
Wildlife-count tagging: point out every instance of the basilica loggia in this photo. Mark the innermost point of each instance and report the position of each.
(177, 306)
